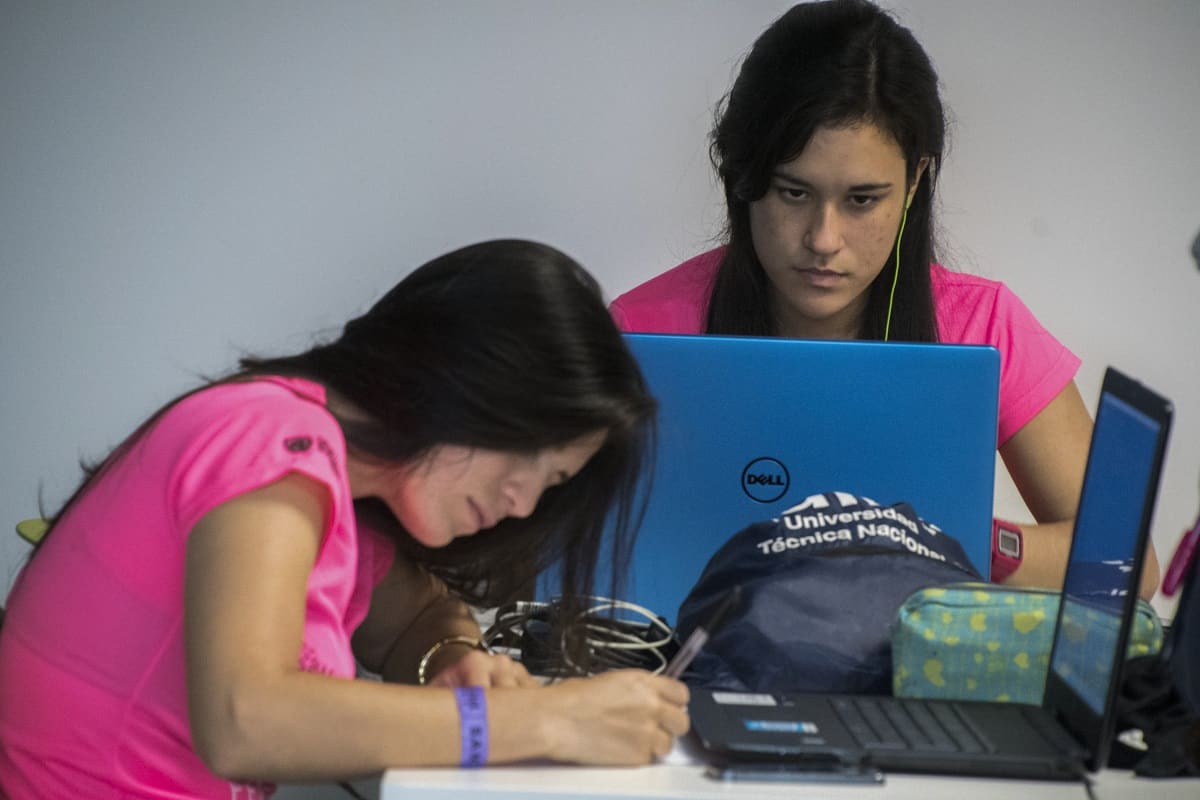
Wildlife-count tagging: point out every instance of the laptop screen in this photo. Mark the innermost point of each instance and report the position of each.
(1101, 575)
(1112, 528)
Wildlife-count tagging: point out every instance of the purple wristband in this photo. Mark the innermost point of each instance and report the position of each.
(473, 725)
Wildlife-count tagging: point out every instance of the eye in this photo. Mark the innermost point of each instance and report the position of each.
(791, 194)
(862, 202)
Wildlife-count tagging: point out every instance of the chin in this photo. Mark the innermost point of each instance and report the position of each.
(820, 315)
(444, 541)
(433, 539)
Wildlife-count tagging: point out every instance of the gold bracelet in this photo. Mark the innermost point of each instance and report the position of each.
(423, 665)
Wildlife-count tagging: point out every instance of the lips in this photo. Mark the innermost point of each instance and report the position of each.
(822, 278)
(482, 520)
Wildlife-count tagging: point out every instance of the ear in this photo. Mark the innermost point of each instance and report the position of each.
(922, 165)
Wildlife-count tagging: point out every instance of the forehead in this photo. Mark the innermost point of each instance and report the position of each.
(852, 154)
(583, 447)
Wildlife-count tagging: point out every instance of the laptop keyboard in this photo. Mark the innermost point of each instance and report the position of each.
(888, 723)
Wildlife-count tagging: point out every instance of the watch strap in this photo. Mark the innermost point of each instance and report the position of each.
(1008, 549)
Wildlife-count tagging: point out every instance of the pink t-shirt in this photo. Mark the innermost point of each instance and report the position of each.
(1034, 366)
(93, 701)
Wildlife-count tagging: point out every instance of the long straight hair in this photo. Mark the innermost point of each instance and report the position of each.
(504, 345)
(832, 64)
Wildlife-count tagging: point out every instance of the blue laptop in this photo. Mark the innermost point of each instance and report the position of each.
(748, 427)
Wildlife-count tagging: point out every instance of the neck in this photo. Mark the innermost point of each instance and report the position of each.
(364, 474)
(790, 323)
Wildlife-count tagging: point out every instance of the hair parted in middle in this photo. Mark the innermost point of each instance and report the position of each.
(832, 64)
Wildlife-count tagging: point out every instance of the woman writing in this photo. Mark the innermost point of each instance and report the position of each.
(190, 625)
(828, 147)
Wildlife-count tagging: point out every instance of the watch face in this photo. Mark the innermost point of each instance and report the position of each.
(1008, 543)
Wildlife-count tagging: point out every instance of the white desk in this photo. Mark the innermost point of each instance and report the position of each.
(681, 777)
(679, 782)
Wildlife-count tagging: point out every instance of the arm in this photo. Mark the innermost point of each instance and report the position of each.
(255, 716)
(1046, 459)
(410, 611)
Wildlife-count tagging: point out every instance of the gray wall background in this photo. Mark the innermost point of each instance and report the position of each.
(182, 182)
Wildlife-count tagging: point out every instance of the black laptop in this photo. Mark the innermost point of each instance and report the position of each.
(1072, 730)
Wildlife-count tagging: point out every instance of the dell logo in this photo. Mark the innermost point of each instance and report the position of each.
(765, 480)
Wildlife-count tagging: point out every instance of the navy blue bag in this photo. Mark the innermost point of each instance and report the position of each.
(820, 587)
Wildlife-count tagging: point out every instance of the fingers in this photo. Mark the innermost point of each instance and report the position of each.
(625, 717)
(673, 691)
(661, 704)
(482, 669)
(672, 716)
(668, 698)
(527, 681)
(674, 720)
(661, 745)
(509, 674)
(669, 714)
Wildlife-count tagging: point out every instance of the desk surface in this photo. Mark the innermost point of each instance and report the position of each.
(688, 782)
(681, 777)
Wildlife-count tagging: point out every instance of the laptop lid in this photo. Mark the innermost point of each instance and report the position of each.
(1112, 529)
(750, 426)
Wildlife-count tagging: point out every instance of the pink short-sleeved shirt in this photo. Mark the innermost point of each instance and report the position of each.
(1034, 366)
(93, 701)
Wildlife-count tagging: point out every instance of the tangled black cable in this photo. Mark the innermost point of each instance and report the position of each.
(615, 634)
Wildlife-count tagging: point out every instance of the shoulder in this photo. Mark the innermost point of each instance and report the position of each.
(675, 301)
(974, 310)
(970, 307)
(260, 402)
(1034, 365)
(950, 287)
(263, 414)
(230, 438)
(268, 390)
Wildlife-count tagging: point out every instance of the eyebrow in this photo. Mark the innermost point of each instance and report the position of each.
(856, 188)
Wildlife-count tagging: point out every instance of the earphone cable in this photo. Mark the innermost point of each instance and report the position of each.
(887, 328)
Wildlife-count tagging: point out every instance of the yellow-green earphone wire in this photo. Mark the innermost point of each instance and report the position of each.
(887, 327)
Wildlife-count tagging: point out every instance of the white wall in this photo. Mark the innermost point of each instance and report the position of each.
(183, 181)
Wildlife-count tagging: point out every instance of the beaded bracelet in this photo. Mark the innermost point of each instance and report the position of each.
(423, 665)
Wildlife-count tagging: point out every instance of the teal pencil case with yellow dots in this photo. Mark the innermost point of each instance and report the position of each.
(978, 641)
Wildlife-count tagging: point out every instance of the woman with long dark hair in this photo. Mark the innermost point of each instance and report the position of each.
(828, 147)
(191, 624)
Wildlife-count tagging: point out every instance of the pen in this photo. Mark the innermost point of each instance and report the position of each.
(701, 634)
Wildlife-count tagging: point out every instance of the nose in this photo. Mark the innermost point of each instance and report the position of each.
(522, 495)
(824, 234)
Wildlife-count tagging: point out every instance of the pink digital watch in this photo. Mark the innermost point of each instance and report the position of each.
(1007, 549)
